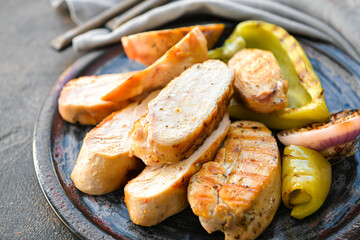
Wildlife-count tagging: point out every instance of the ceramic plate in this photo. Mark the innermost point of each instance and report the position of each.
(57, 144)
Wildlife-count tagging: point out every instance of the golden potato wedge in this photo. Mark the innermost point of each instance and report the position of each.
(147, 47)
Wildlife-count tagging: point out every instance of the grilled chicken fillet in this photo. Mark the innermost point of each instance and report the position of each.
(259, 80)
(239, 192)
(80, 99)
(184, 114)
(190, 50)
(160, 191)
(103, 164)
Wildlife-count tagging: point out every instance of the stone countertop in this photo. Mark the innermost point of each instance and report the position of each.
(28, 70)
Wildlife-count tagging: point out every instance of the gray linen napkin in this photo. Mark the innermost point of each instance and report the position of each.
(83, 10)
(292, 19)
(342, 15)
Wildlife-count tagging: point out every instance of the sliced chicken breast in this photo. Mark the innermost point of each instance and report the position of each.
(80, 99)
(103, 164)
(239, 192)
(259, 80)
(184, 114)
(160, 191)
(190, 50)
(147, 47)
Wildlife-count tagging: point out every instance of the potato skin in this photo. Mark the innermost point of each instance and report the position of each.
(147, 47)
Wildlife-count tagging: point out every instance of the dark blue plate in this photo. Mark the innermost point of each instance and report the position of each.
(57, 144)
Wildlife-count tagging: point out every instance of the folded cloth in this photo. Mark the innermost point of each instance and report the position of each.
(343, 15)
(293, 20)
(83, 10)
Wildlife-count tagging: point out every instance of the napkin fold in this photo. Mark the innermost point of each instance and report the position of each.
(299, 20)
(83, 10)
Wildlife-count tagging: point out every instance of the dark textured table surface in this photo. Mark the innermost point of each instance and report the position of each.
(28, 70)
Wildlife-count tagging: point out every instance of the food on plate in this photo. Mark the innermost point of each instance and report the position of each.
(184, 114)
(239, 192)
(104, 164)
(306, 180)
(80, 99)
(147, 47)
(259, 81)
(231, 46)
(177, 131)
(160, 191)
(335, 138)
(190, 50)
(305, 94)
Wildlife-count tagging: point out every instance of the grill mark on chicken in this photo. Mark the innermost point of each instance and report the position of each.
(239, 192)
(259, 81)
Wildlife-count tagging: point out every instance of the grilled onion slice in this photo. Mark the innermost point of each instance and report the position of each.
(337, 137)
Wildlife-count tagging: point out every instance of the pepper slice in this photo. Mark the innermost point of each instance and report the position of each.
(306, 180)
(305, 94)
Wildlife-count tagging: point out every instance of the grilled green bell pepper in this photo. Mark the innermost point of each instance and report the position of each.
(305, 94)
(306, 180)
(231, 45)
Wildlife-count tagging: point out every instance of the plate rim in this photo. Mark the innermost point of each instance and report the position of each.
(42, 149)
